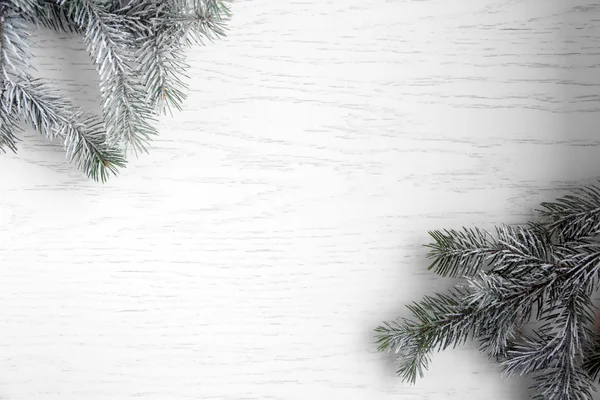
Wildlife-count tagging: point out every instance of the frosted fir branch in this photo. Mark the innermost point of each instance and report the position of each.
(8, 129)
(21, 6)
(486, 308)
(592, 358)
(414, 341)
(171, 26)
(466, 252)
(83, 137)
(440, 321)
(160, 59)
(109, 40)
(564, 382)
(575, 215)
(137, 47)
(461, 253)
(14, 59)
(199, 20)
(545, 272)
(52, 15)
(553, 355)
(163, 73)
(15, 44)
(580, 266)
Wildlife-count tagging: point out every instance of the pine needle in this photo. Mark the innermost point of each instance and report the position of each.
(138, 47)
(545, 272)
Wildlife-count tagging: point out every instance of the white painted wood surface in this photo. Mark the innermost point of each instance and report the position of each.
(280, 217)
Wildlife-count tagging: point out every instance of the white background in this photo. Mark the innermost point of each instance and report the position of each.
(281, 216)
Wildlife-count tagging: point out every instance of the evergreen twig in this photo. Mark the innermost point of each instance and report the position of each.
(138, 47)
(545, 272)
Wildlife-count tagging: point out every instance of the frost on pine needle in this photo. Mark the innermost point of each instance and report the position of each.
(138, 47)
(545, 272)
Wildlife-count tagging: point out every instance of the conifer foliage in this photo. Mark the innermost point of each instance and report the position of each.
(541, 276)
(138, 47)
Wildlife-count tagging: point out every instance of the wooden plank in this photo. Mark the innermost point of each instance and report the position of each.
(280, 217)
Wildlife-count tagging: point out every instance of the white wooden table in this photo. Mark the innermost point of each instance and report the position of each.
(281, 216)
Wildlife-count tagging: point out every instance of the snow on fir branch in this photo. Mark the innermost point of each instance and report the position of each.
(544, 272)
(138, 47)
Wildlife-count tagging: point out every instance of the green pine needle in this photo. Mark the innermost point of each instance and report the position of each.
(138, 47)
(544, 272)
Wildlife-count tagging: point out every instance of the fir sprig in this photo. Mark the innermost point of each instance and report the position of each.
(575, 215)
(138, 47)
(83, 135)
(544, 272)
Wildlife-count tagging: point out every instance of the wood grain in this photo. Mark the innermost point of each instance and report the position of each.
(280, 217)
